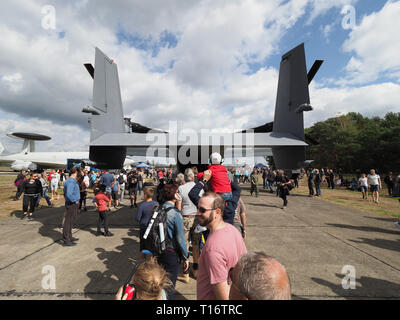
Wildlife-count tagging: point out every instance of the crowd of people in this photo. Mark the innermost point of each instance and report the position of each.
(204, 217)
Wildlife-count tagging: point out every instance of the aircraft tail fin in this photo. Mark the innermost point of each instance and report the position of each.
(292, 101)
(107, 111)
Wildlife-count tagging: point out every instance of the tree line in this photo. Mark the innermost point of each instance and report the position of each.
(353, 142)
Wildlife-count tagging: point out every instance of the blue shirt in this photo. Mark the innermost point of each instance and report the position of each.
(145, 211)
(176, 229)
(71, 191)
(107, 179)
(115, 188)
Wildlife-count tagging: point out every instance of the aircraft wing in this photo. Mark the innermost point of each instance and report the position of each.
(169, 140)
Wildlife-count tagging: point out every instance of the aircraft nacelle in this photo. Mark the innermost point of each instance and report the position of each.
(19, 165)
(107, 157)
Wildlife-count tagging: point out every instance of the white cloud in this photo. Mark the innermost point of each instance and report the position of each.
(209, 86)
(376, 45)
(64, 137)
(369, 100)
(320, 7)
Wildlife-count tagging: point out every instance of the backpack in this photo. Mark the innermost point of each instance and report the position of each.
(155, 238)
(121, 179)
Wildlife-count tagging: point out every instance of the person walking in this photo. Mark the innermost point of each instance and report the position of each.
(254, 182)
(310, 180)
(19, 182)
(55, 180)
(389, 183)
(43, 181)
(101, 203)
(283, 181)
(375, 185)
(317, 182)
(363, 185)
(122, 179)
(31, 188)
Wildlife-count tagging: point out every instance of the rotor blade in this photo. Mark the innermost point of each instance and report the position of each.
(90, 69)
(314, 69)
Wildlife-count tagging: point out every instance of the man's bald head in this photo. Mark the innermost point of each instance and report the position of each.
(261, 277)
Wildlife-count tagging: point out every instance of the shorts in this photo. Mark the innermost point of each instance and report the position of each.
(364, 188)
(115, 195)
(108, 189)
(132, 191)
(54, 186)
(189, 224)
(374, 188)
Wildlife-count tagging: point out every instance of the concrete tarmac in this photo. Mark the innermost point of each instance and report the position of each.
(313, 239)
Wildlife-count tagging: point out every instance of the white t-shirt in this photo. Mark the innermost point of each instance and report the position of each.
(363, 182)
(55, 178)
(373, 179)
(86, 181)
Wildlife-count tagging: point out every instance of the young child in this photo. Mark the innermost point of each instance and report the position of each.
(145, 211)
(101, 204)
(219, 179)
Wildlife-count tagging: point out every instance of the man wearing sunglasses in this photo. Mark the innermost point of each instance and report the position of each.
(228, 213)
(222, 250)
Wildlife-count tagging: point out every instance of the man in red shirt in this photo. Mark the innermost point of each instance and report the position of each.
(102, 205)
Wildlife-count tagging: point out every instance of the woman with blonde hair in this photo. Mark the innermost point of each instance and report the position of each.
(149, 282)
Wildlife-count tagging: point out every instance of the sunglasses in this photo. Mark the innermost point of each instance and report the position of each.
(204, 210)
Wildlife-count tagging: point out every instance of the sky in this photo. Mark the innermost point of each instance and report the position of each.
(209, 64)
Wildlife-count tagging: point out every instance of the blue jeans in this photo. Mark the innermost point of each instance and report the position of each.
(318, 189)
(226, 196)
(271, 186)
(169, 261)
(46, 196)
(310, 188)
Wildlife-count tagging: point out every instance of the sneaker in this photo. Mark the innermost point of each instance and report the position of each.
(184, 277)
(69, 244)
(99, 233)
(74, 239)
(397, 224)
(108, 234)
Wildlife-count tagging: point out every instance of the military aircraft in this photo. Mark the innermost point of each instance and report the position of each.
(112, 136)
(28, 158)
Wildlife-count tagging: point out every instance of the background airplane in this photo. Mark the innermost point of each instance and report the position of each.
(28, 158)
(112, 136)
